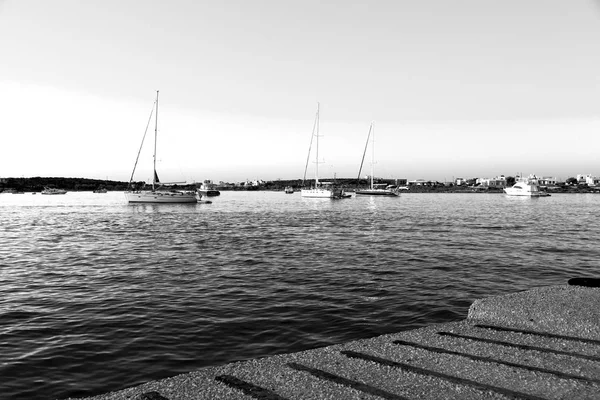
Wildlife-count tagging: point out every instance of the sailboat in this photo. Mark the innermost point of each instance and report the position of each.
(375, 189)
(320, 189)
(160, 193)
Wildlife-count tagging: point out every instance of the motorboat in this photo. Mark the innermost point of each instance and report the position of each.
(208, 188)
(159, 192)
(289, 190)
(526, 187)
(53, 191)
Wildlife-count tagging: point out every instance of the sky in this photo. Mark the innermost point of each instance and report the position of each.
(462, 88)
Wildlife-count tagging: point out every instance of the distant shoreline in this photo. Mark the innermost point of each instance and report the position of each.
(37, 184)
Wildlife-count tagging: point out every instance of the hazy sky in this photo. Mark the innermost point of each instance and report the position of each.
(456, 88)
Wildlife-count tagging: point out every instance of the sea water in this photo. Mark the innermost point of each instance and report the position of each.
(97, 295)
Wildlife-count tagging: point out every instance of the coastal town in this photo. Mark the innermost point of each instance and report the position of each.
(581, 183)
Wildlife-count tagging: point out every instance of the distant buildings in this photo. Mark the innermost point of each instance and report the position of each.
(547, 181)
(588, 179)
(497, 182)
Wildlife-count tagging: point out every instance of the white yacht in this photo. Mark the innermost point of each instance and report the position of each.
(526, 187)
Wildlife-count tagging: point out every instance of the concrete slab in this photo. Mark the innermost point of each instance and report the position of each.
(539, 344)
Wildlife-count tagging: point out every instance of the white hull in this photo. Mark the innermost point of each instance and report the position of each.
(54, 191)
(320, 193)
(518, 192)
(161, 197)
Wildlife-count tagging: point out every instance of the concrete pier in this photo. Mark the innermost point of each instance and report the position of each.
(538, 344)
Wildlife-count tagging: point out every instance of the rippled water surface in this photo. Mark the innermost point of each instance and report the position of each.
(97, 295)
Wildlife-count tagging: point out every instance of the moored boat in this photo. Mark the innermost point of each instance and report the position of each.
(162, 196)
(159, 192)
(289, 190)
(379, 189)
(528, 187)
(374, 189)
(323, 190)
(53, 191)
(208, 188)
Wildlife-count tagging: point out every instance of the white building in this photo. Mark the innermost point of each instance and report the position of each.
(499, 182)
(589, 179)
(547, 180)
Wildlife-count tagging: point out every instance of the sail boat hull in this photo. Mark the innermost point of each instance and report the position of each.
(149, 196)
(377, 192)
(321, 193)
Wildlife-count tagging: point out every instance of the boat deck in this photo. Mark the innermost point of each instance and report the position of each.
(539, 344)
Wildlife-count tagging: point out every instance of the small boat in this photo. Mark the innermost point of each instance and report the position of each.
(526, 187)
(324, 190)
(208, 188)
(160, 192)
(375, 189)
(53, 191)
(101, 190)
(289, 190)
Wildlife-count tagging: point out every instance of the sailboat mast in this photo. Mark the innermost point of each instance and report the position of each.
(317, 152)
(372, 152)
(362, 161)
(155, 137)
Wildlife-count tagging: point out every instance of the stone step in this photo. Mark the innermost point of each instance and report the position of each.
(540, 344)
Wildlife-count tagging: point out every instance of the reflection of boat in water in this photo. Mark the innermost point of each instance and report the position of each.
(53, 191)
(289, 190)
(158, 194)
(375, 189)
(208, 188)
(324, 190)
(526, 187)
